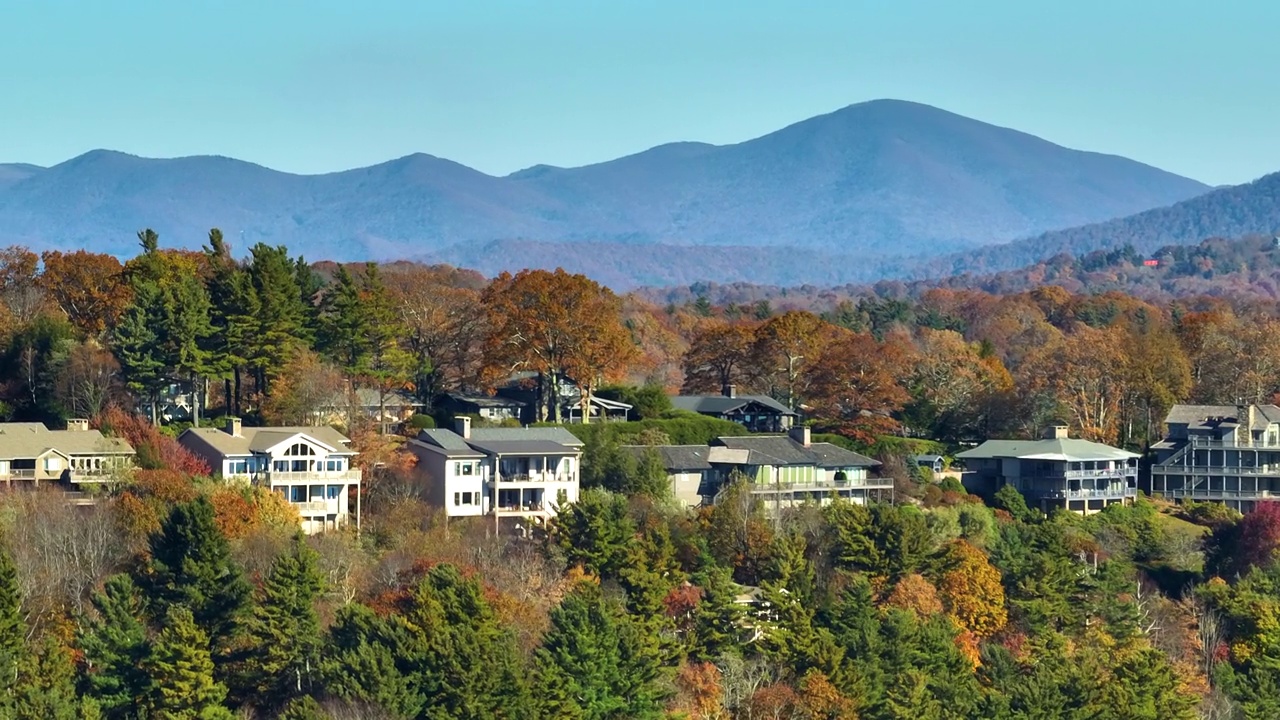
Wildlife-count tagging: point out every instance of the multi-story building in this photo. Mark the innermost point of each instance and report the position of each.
(309, 466)
(30, 452)
(1224, 453)
(1056, 472)
(784, 470)
(506, 472)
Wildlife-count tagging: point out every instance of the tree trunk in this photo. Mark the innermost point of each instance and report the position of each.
(226, 396)
(239, 388)
(195, 402)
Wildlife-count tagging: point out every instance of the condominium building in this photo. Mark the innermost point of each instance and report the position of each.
(1224, 453)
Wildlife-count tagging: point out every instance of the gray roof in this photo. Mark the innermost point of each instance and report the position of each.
(554, 434)
(485, 401)
(523, 447)
(29, 440)
(928, 458)
(259, 439)
(503, 441)
(1199, 415)
(721, 405)
(1069, 449)
(783, 450)
(675, 457)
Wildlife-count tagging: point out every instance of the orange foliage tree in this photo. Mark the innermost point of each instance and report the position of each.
(88, 287)
(971, 591)
(719, 355)
(915, 594)
(785, 350)
(858, 383)
(557, 325)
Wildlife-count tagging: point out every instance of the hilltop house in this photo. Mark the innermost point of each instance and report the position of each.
(492, 409)
(310, 466)
(1224, 453)
(344, 407)
(506, 472)
(783, 469)
(1056, 472)
(524, 387)
(30, 452)
(757, 413)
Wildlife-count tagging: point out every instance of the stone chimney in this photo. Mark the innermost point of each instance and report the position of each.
(1057, 432)
(1245, 416)
(78, 424)
(802, 435)
(233, 427)
(730, 391)
(462, 426)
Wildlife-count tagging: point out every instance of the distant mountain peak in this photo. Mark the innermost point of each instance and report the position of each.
(877, 180)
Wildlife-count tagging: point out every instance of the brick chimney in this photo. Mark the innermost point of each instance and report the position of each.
(78, 424)
(233, 427)
(802, 435)
(1057, 432)
(462, 426)
(730, 391)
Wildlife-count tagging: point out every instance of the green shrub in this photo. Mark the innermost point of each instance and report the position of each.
(421, 422)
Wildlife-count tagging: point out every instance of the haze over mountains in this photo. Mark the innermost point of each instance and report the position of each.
(869, 189)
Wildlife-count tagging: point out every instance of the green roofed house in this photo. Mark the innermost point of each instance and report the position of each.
(1056, 472)
(784, 470)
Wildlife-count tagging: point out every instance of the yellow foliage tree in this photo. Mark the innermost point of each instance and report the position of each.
(971, 591)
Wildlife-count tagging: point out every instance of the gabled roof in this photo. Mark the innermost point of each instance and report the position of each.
(447, 443)
(721, 404)
(779, 450)
(675, 457)
(368, 398)
(1065, 449)
(259, 439)
(485, 401)
(554, 434)
(503, 441)
(30, 440)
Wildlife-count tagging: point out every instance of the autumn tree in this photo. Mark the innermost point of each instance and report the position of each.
(444, 326)
(89, 380)
(20, 290)
(88, 287)
(718, 357)
(971, 590)
(857, 385)
(1079, 373)
(557, 325)
(304, 386)
(786, 348)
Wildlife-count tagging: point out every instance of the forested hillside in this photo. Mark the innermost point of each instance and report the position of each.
(185, 596)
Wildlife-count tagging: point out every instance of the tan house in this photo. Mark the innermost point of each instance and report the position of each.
(310, 466)
(30, 452)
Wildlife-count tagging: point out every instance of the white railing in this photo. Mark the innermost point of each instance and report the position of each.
(1106, 493)
(314, 476)
(317, 507)
(536, 478)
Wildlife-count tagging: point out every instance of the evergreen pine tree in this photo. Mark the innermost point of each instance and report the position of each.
(469, 660)
(186, 332)
(281, 326)
(718, 616)
(179, 670)
(593, 663)
(12, 629)
(46, 686)
(343, 332)
(234, 307)
(284, 658)
(369, 659)
(113, 644)
(191, 567)
(136, 343)
(387, 365)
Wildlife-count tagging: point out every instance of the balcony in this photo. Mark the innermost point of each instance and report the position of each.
(1124, 492)
(515, 478)
(21, 475)
(823, 485)
(317, 507)
(1104, 473)
(1239, 470)
(316, 476)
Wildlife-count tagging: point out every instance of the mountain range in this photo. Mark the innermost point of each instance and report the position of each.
(854, 191)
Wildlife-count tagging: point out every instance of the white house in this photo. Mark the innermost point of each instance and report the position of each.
(309, 466)
(508, 472)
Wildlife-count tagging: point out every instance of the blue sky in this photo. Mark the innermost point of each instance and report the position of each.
(315, 86)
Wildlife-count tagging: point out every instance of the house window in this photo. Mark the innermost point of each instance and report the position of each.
(457, 498)
(280, 465)
(299, 449)
(466, 468)
(466, 498)
(335, 491)
(51, 463)
(298, 493)
(239, 467)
